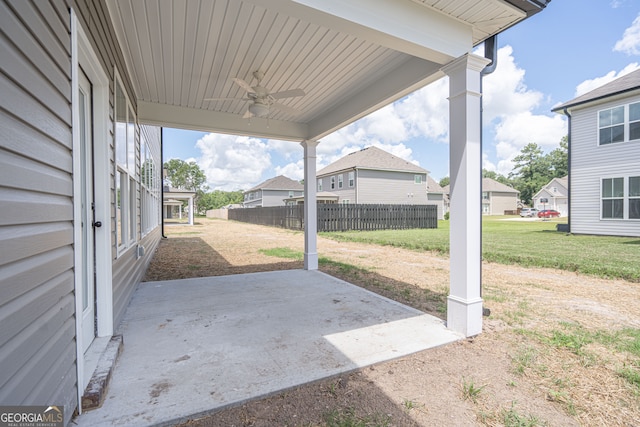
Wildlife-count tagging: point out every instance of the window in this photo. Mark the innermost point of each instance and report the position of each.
(127, 171)
(320, 184)
(345, 201)
(333, 182)
(634, 197)
(290, 193)
(619, 124)
(554, 189)
(149, 187)
(485, 195)
(417, 179)
(340, 183)
(613, 198)
(352, 179)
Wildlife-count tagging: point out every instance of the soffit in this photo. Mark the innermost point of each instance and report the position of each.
(350, 58)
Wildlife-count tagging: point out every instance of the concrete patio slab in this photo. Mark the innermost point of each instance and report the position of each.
(195, 346)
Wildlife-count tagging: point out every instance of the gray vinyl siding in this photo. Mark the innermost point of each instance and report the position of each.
(276, 197)
(37, 303)
(590, 163)
(437, 199)
(375, 186)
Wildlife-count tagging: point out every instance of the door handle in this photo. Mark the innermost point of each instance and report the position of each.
(97, 224)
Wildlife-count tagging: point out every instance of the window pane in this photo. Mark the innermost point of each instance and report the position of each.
(604, 118)
(617, 115)
(131, 144)
(612, 208)
(634, 131)
(607, 187)
(634, 186)
(121, 127)
(634, 208)
(618, 187)
(634, 112)
(132, 209)
(605, 136)
(617, 133)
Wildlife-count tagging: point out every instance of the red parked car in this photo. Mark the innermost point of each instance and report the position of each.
(548, 213)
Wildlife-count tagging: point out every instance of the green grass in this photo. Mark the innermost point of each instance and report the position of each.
(347, 418)
(530, 244)
(283, 253)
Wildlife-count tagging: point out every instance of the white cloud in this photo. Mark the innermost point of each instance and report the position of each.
(630, 41)
(294, 170)
(504, 91)
(232, 162)
(589, 85)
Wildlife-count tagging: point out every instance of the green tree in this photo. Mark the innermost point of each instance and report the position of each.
(217, 199)
(444, 181)
(185, 175)
(497, 177)
(530, 172)
(559, 159)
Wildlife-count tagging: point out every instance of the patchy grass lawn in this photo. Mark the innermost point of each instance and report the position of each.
(525, 243)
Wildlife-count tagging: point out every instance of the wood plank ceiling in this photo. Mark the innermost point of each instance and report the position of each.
(350, 58)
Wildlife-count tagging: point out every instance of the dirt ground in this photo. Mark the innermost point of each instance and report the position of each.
(536, 362)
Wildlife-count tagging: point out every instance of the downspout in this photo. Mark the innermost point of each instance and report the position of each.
(491, 53)
(162, 182)
(566, 112)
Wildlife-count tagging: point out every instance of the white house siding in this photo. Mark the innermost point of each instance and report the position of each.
(589, 164)
(37, 337)
(555, 202)
(375, 186)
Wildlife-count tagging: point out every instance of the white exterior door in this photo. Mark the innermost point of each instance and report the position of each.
(87, 216)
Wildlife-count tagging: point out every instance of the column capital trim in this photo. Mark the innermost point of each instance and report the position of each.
(309, 143)
(466, 61)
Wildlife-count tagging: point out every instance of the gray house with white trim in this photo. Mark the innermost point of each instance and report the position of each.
(87, 86)
(604, 158)
(272, 192)
(373, 175)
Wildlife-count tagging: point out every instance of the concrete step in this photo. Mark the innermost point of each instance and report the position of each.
(96, 391)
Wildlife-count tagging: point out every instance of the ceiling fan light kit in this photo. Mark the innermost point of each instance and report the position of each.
(262, 100)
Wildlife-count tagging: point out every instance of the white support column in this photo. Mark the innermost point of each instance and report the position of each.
(464, 307)
(190, 210)
(310, 206)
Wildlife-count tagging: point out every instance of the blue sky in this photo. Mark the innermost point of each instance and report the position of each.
(568, 49)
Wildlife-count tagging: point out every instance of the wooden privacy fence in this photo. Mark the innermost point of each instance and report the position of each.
(339, 217)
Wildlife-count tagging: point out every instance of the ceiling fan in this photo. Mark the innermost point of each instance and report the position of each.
(262, 100)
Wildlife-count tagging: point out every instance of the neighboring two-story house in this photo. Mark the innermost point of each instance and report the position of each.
(498, 198)
(272, 192)
(436, 196)
(554, 195)
(372, 175)
(604, 158)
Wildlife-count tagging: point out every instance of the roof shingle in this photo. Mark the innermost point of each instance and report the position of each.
(371, 158)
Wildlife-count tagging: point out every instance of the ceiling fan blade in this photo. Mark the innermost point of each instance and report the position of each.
(244, 85)
(226, 99)
(284, 108)
(291, 93)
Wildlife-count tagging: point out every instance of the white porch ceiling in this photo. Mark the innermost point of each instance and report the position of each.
(350, 58)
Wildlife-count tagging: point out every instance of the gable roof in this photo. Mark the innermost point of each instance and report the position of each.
(433, 186)
(626, 83)
(489, 184)
(371, 158)
(280, 182)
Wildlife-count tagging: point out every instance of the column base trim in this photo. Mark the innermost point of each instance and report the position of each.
(311, 261)
(464, 316)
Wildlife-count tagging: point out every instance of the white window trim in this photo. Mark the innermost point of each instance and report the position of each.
(132, 238)
(319, 184)
(417, 179)
(625, 197)
(340, 181)
(352, 179)
(625, 124)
